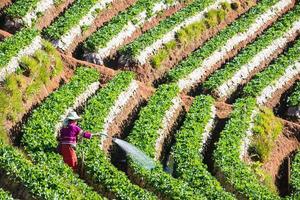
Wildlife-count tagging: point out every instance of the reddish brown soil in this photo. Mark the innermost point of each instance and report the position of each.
(277, 95)
(106, 15)
(106, 73)
(223, 110)
(285, 144)
(148, 74)
(4, 34)
(4, 3)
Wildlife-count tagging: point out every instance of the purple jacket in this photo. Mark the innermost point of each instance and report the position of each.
(69, 134)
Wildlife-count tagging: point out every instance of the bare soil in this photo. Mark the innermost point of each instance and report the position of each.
(286, 143)
(275, 99)
(4, 3)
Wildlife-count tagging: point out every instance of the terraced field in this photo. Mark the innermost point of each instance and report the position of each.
(208, 90)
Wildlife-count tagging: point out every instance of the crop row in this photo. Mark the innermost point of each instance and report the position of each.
(214, 52)
(295, 175)
(266, 83)
(189, 146)
(27, 11)
(5, 195)
(97, 167)
(231, 147)
(255, 56)
(25, 42)
(149, 43)
(39, 139)
(40, 70)
(294, 98)
(36, 181)
(147, 134)
(115, 33)
(74, 21)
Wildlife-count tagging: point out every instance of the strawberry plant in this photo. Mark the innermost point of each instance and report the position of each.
(11, 46)
(39, 139)
(70, 18)
(295, 176)
(273, 72)
(133, 49)
(227, 154)
(264, 41)
(107, 33)
(5, 195)
(96, 164)
(294, 98)
(195, 60)
(187, 156)
(39, 180)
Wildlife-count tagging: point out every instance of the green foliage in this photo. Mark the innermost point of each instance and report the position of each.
(227, 154)
(188, 159)
(265, 132)
(294, 98)
(106, 33)
(164, 185)
(134, 48)
(144, 136)
(21, 7)
(195, 60)
(145, 131)
(11, 46)
(273, 33)
(96, 165)
(39, 179)
(39, 139)
(69, 19)
(295, 174)
(5, 195)
(274, 71)
(163, 53)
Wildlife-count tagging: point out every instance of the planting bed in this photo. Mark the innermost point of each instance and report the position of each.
(193, 84)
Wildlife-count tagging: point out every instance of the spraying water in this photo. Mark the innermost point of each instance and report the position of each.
(137, 155)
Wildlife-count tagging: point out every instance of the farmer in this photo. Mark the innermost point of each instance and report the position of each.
(68, 137)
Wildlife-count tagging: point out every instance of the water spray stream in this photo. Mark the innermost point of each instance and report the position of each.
(136, 154)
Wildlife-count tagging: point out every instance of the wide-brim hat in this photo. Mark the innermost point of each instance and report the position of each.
(73, 116)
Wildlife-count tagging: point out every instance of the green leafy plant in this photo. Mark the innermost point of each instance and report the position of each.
(39, 180)
(97, 166)
(69, 19)
(106, 33)
(188, 159)
(274, 32)
(11, 46)
(227, 154)
(241, 25)
(39, 139)
(5, 195)
(295, 175)
(186, 35)
(294, 98)
(273, 72)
